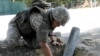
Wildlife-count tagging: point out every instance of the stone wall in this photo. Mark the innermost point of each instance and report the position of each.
(22, 50)
(89, 45)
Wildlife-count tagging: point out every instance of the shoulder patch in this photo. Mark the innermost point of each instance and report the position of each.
(35, 20)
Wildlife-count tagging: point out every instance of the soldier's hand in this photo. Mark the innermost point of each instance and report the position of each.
(55, 43)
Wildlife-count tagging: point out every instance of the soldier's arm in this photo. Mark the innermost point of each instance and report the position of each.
(42, 37)
(51, 36)
(45, 48)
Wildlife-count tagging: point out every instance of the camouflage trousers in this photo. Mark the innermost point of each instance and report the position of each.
(14, 35)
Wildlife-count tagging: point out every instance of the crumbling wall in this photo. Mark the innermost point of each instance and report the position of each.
(89, 46)
(22, 50)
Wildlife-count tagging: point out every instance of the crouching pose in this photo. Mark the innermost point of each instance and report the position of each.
(35, 25)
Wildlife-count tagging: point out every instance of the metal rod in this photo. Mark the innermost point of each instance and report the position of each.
(72, 42)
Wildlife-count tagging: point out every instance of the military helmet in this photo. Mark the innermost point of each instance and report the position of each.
(61, 15)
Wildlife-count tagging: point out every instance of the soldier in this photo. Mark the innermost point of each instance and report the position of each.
(35, 25)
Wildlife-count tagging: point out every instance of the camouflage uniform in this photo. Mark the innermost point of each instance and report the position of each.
(35, 27)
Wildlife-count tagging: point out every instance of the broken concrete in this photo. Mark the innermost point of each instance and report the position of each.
(22, 50)
(89, 46)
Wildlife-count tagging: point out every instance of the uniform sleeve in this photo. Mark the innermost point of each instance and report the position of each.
(36, 20)
(42, 32)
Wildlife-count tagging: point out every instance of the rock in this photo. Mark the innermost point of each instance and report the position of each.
(22, 50)
(89, 45)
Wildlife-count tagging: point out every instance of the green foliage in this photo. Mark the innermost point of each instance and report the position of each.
(58, 2)
(28, 2)
(98, 1)
(16, 0)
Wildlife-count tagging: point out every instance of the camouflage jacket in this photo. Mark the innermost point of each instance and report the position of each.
(22, 19)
